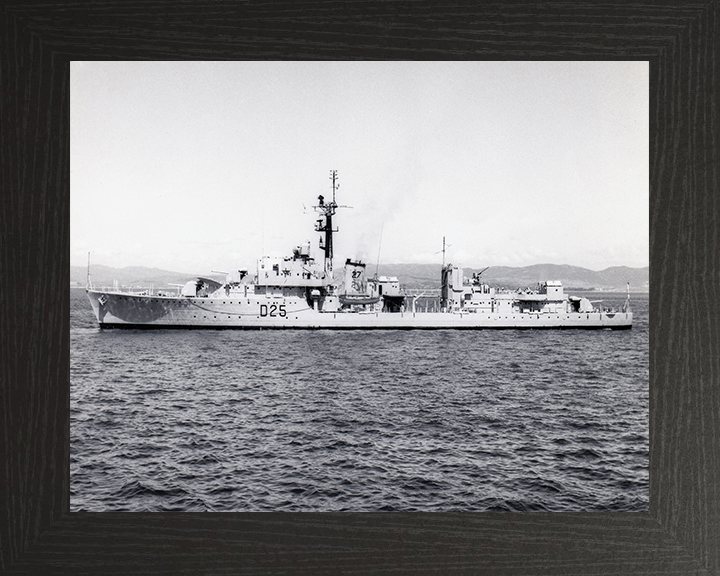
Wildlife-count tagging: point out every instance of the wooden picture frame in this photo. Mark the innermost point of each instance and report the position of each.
(680, 533)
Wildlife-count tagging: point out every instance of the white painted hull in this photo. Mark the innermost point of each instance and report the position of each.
(122, 310)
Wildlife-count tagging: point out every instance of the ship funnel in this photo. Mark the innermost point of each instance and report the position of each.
(355, 282)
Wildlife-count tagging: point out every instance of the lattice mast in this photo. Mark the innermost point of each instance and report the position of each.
(325, 225)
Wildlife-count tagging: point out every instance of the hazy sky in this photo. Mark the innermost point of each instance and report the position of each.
(205, 166)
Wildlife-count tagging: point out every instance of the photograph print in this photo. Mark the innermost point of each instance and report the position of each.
(359, 286)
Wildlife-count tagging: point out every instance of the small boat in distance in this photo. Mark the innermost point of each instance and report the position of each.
(298, 291)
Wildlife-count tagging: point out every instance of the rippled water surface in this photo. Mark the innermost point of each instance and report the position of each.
(224, 420)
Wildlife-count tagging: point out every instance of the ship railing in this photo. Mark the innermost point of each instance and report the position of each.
(427, 292)
(139, 290)
(423, 299)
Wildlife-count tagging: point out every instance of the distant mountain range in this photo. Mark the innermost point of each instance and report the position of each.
(410, 275)
(610, 279)
(139, 276)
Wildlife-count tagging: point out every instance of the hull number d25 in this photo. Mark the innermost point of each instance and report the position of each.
(273, 310)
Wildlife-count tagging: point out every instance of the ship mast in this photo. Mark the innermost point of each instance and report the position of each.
(324, 224)
(443, 251)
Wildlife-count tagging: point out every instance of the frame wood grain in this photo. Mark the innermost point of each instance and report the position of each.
(38, 534)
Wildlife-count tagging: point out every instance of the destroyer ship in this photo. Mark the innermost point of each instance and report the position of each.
(299, 291)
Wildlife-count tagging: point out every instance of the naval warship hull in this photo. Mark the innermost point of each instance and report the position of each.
(124, 310)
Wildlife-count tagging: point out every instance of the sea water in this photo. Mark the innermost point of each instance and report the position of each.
(322, 420)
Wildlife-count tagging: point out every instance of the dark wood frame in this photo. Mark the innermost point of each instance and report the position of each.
(681, 532)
